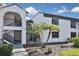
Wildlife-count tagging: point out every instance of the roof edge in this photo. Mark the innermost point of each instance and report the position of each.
(16, 5)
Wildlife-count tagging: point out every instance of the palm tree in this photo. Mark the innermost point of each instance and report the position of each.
(50, 27)
(38, 29)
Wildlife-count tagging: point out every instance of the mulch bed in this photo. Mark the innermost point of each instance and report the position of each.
(56, 49)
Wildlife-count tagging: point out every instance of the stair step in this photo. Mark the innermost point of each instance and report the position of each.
(8, 37)
(6, 41)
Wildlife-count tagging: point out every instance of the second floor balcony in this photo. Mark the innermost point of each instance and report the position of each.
(12, 19)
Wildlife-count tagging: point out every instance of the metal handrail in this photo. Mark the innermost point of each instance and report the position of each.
(12, 24)
(8, 37)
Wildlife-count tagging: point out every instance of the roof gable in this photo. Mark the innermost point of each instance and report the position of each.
(13, 5)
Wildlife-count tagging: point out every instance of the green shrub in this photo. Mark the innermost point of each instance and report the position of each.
(69, 39)
(75, 40)
(62, 46)
(49, 49)
(6, 49)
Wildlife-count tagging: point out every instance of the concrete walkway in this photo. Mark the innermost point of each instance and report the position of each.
(18, 50)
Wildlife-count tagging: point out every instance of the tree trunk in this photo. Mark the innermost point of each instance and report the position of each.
(44, 45)
(40, 39)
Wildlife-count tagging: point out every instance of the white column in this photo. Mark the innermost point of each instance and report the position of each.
(23, 41)
(23, 37)
(1, 27)
(77, 27)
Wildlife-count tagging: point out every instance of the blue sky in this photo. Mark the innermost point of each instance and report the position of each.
(64, 9)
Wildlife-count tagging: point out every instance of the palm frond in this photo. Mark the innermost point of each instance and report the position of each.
(43, 26)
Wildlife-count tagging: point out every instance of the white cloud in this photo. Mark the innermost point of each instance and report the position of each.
(31, 10)
(62, 10)
(75, 9)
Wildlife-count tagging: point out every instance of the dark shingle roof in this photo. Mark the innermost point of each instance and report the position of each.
(60, 17)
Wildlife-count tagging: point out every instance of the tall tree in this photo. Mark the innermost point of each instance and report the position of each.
(50, 27)
(38, 29)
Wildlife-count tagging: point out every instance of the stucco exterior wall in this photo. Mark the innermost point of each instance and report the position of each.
(22, 13)
(64, 25)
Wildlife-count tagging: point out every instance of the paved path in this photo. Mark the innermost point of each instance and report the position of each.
(18, 50)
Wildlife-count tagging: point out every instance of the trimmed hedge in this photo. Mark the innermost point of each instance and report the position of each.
(6, 49)
(50, 49)
(75, 40)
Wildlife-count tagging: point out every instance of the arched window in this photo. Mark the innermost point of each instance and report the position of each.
(12, 19)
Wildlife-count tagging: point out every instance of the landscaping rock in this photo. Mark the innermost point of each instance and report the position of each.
(56, 49)
(19, 50)
(36, 53)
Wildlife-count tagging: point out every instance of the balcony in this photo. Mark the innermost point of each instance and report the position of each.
(12, 19)
(12, 23)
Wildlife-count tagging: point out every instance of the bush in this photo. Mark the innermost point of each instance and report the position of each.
(49, 49)
(69, 40)
(6, 49)
(63, 46)
(75, 40)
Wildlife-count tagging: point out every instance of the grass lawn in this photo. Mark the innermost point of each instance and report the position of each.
(71, 52)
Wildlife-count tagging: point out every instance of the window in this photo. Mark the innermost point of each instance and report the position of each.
(29, 24)
(78, 25)
(73, 24)
(73, 34)
(55, 21)
(12, 19)
(9, 16)
(55, 34)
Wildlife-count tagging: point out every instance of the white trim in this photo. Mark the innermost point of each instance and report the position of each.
(12, 28)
